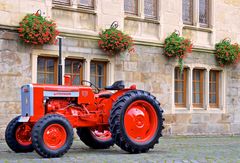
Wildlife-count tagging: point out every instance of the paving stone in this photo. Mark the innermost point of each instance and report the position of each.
(169, 150)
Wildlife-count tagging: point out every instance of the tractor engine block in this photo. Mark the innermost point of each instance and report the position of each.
(56, 104)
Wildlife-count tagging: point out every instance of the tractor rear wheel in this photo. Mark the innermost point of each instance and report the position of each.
(136, 121)
(52, 136)
(94, 138)
(18, 136)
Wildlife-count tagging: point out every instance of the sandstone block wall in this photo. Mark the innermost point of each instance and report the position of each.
(147, 68)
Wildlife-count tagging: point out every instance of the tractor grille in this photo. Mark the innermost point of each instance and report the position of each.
(27, 100)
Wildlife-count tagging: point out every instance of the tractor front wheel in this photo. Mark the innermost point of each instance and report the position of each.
(52, 136)
(94, 138)
(18, 136)
(136, 121)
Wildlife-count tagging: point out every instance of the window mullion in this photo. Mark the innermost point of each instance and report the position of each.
(190, 90)
(141, 8)
(196, 13)
(207, 85)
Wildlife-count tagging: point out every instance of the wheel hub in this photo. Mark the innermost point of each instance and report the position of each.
(140, 121)
(23, 134)
(55, 136)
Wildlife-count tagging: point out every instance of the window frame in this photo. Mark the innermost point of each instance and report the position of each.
(72, 74)
(196, 15)
(185, 78)
(104, 72)
(217, 82)
(55, 72)
(201, 90)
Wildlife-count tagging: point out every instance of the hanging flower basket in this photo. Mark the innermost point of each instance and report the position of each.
(114, 41)
(177, 47)
(227, 53)
(36, 29)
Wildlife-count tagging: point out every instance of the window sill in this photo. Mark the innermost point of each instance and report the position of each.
(202, 29)
(137, 18)
(69, 8)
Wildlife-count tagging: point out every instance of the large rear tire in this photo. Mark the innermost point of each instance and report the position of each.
(18, 136)
(52, 136)
(136, 121)
(95, 139)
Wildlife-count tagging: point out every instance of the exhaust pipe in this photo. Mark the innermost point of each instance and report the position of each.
(60, 60)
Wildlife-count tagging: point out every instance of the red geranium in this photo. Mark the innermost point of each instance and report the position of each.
(35, 29)
(227, 53)
(176, 46)
(115, 41)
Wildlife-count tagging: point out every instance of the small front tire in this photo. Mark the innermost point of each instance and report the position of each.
(52, 136)
(18, 136)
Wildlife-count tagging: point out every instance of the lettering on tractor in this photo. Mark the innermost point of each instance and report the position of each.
(127, 117)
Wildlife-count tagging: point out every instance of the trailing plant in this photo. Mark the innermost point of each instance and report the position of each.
(176, 46)
(227, 53)
(36, 29)
(114, 41)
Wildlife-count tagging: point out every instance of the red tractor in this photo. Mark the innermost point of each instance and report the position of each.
(130, 118)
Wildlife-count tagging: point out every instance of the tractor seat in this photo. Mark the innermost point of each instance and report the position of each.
(118, 85)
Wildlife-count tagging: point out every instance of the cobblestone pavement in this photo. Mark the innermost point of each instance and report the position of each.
(169, 150)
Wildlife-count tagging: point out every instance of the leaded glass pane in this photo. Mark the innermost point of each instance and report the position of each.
(40, 64)
(180, 86)
(187, 11)
(100, 69)
(197, 98)
(40, 78)
(93, 79)
(93, 69)
(76, 80)
(197, 88)
(203, 11)
(75, 66)
(50, 65)
(213, 88)
(150, 8)
(213, 76)
(68, 66)
(64, 2)
(212, 99)
(176, 86)
(50, 78)
(86, 3)
(131, 6)
(180, 98)
(100, 82)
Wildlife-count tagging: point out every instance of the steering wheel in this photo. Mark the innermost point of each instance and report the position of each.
(91, 85)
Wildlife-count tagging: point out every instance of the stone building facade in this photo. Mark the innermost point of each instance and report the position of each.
(204, 100)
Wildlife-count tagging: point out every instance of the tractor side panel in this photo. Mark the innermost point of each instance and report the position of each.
(86, 96)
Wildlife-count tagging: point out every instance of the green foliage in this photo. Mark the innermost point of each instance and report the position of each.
(176, 46)
(227, 53)
(35, 29)
(115, 41)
